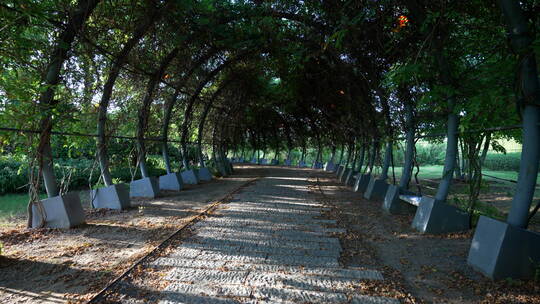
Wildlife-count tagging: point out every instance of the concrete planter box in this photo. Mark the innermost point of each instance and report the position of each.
(329, 166)
(393, 204)
(349, 179)
(288, 162)
(204, 174)
(221, 168)
(254, 161)
(344, 174)
(274, 162)
(63, 211)
(171, 181)
(112, 197)
(437, 217)
(302, 164)
(190, 177)
(263, 161)
(376, 189)
(318, 165)
(501, 251)
(361, 183)
(145, 187)
(229, 168)
(340, 168)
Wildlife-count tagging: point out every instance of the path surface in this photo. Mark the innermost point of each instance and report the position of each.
(270, 244)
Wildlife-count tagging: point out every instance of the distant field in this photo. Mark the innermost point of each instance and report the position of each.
(433, 172)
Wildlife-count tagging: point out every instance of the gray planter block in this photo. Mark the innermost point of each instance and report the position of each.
(349, 179)
(171, 181)
(361, 183)
(501, 251)
(274, 162)
(302, 164)
(340, 168)
(376, 188)
(229, 168)
(263, 161)
(112, 197)
(393, 204)
(204, 174)
(343, 174)
(144, 187)
(288, 162)
(190, 177)
(63, 211)
(254, 161)
(437, 217)
(221, 168)
(329, 166)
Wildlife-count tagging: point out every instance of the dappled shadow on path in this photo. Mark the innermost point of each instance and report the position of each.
(21, 277)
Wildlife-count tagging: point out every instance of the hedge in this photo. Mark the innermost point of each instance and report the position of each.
(14, 173)
(502, 162)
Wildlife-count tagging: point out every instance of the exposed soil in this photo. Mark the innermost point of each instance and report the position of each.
(60, 265)
(432, 268)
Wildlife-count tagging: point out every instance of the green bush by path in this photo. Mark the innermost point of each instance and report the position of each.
(14, 172)
(502, 162)
(426, 155)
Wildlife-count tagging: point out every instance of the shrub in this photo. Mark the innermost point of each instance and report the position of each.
(426, 154)
(502, 162)
(14, 172)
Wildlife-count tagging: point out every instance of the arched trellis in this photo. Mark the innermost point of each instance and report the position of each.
(189, 105)
(368, 125)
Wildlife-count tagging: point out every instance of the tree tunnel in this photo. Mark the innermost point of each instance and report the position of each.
(346, 87)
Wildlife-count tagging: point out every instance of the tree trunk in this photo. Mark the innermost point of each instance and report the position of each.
(144, 111)
(485, 149)
(386, 162)
(168, 106)
(406, 173)
(361, 157)
(333, 155)
(458, 167)
(47, 170)
(522, 39)
(349, 152)
(451, 126)
(51, 79)
(354, 159)
(341, 154)
(121, 58)
(372, 157)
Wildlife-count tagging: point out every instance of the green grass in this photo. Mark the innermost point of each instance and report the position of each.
(432, 172)
(14, 204)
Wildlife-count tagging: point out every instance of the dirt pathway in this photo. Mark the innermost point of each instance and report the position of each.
(432, 268)
(296, 235)
(269, 244)
(57, 266)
